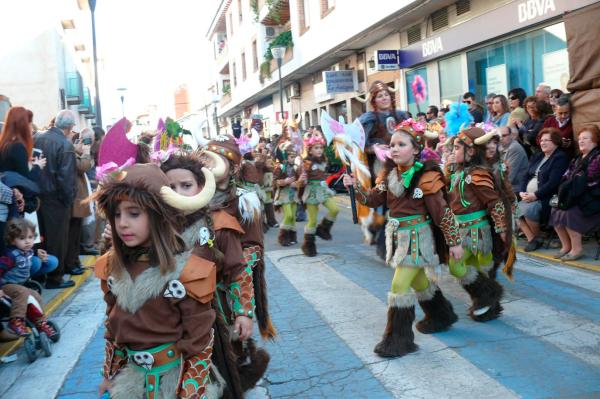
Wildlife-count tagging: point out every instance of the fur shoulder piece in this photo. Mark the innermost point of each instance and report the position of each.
(199, 277)
(223, 220)
(248, 205)
(431, 182)
(482, 177)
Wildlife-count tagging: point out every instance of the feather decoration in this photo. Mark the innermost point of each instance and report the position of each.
(457, 118)
(160, 129)
(248, 205)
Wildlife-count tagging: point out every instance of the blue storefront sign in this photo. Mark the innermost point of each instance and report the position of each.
(387, 60)
(340, 81)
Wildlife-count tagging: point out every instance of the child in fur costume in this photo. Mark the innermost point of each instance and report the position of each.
(235, 283)
(317, 193)
(287, 176)
(478, 199)
(414, 193)
(264, 166)
(159, 333)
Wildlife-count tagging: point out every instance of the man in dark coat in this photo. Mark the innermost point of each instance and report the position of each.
(58, 188)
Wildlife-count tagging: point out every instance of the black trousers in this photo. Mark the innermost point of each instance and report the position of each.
(53, 217)
(72, 259)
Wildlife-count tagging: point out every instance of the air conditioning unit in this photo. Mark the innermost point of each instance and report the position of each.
(270, 33)
(294, 90)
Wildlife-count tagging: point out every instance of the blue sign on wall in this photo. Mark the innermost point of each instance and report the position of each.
(340, 81)
(387, 60)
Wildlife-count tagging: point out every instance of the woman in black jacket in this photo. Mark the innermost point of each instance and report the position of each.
(538, 111)
(578, 205)
(541, 183)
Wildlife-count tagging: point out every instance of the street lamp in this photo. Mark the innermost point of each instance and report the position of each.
(278, 52)
(216, 99)
(122, 90)
(92, 4)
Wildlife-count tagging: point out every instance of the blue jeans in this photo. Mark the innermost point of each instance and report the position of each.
(39, 268)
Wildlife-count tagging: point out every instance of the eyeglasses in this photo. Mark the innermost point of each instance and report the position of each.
(545, 140)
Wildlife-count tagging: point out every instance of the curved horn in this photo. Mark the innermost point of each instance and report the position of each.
(254, 138)
(191, 204)
(484, 139)
(218, 170)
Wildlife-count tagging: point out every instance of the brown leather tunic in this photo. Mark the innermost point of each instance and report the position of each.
(315, 170)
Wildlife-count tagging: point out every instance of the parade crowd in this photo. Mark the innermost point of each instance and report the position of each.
(180, 230)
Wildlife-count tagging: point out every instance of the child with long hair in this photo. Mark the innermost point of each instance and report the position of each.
(287, 178)
(479, 202)
(159, 333)
(317, 193)
(420, 228)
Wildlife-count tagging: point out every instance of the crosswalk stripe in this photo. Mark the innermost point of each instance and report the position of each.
(358, 318)
(581, 278)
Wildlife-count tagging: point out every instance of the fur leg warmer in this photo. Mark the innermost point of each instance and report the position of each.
(284, 237)
(252, 364)
(309, 247)
(324, 229)
(398, 337)
(439, 314)
(485, 293)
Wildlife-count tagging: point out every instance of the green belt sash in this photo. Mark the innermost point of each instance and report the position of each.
(412, 223)
(155, 372)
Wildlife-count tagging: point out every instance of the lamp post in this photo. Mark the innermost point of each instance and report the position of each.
(92, 4)
(278, 52)
(122, 90)
(216, 99)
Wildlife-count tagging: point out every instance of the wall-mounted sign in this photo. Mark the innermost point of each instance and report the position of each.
(278, 117)
(496, 79)
(387, 60)
(340, 81)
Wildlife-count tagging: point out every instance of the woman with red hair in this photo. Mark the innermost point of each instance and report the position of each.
(16, 145)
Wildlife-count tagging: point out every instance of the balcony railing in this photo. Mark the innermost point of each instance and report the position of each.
(225, 99)
(74, 89)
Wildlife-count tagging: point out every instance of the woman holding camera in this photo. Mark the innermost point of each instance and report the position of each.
(578, 202)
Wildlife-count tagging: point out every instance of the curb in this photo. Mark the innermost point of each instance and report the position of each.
(6, 348)
(575, 264)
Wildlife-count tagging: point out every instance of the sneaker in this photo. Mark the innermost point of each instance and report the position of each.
(18, 327)
(43, 326)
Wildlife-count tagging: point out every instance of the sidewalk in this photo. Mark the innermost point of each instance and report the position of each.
(52, 301)
(587, 262)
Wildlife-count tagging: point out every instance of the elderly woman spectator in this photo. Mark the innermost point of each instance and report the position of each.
(562, 122)
(538, 111)
(514, 156)
(578, 202)
(501, 110)
(541, 183)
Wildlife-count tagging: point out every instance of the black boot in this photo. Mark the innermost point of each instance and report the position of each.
(398, 337)
(252, 364)
(485, 294)
(284, 237)
(309, 248)
(439, 314)
(324, 229)
(270, 213)
(293, 237)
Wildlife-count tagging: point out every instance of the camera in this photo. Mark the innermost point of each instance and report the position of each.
(87, 141)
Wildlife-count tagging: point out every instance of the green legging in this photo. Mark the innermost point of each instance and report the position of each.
(289, 214)
(407, 277)
(458, 268)
(313, 212)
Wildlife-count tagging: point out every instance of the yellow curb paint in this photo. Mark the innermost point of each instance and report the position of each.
(577, 264)
(7, 348)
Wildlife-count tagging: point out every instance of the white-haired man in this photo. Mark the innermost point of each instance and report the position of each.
(58, 188)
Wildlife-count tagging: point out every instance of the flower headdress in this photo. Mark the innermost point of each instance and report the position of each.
(418, 130)
(116, 152)
(312, 140)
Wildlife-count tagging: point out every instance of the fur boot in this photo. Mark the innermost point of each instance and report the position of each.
(309, 247)
(252, 365)
(293, 237)
(485, 294)
(324, 229)
(270, 214)
(439, 314)
(398, 337)
(284, 237)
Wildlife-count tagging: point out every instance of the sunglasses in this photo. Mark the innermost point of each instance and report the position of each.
(467, 101)
(512, 98)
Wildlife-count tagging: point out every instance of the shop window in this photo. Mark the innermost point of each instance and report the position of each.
(451, 78)
(410, 78)
(303, 15)
(523, 61)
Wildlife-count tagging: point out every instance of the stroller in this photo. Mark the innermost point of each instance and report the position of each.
(37, 342)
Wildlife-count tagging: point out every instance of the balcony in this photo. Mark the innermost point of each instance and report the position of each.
(267, 68)
(225, 99)
(74, 89)
(85, 107)
(278, 13)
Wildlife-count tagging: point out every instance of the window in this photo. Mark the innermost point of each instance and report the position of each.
(243, 66)
(410, 78)
(239, 6)
(303, 15)
(327, 6)
(439, 19)
(234, 74)
(254, 56)
(230, 17)
(450, 78)
(521, 61)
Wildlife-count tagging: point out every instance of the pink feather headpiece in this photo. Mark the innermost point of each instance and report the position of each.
(313, 140)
